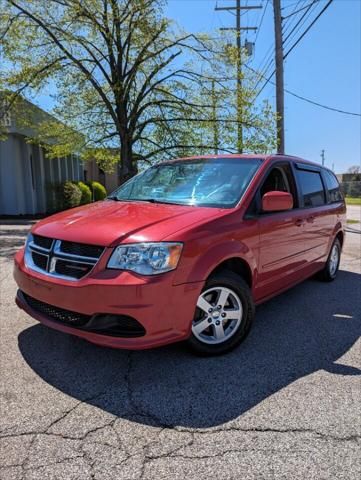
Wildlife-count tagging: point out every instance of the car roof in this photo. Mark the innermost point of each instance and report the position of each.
(236, 156)
(245, 156)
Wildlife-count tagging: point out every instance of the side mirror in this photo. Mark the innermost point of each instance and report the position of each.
(277, 201)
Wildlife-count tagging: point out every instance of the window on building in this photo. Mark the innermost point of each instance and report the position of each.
(312, 190)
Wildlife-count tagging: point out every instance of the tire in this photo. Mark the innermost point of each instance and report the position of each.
(225, 305)
(329, 272)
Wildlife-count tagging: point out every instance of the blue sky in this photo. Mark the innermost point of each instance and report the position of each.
(325, 67)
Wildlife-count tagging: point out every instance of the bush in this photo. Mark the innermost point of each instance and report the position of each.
(86, 194)
(71, 195)
(98, 191)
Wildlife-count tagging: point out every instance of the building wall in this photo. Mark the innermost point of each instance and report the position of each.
(93, 173)
(27, 177)
(16, 193)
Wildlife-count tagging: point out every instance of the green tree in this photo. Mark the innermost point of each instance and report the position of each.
(109, 59)
(129, 85)
(210, 119)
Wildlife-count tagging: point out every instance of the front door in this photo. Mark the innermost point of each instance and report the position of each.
(282, 237)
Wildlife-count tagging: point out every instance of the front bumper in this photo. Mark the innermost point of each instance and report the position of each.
(163, 309)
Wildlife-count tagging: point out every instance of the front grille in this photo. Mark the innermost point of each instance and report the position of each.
(72, 269)
(43, 242)
(56, 313)
(61, 258)
(81, 249)
(40, 260)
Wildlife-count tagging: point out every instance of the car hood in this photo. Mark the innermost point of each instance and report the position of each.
(109, 222)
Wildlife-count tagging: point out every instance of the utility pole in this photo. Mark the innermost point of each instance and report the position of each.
(323, 157)
(238, 28)
(279, 77)
(214, 118)
(239, 80)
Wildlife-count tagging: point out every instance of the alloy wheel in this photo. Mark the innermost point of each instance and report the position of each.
(334, 259)
(218, 315)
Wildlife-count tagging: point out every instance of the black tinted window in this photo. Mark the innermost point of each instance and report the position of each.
(333, 187)
(311, 188)
(280, 178)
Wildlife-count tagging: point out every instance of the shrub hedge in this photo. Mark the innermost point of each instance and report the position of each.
(86, 194)
(71, 195)
(98, 191)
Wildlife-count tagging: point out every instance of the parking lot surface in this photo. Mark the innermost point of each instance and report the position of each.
(285, 405)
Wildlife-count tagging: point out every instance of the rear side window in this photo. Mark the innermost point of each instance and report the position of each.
(311, 186)
(333, 187)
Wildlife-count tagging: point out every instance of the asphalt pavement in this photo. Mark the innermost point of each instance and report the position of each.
(285, 405)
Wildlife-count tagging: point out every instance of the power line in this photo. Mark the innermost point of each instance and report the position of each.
(333, 109)
(290, 5)
(295, 32)
(289, 22)
(308, 28)
(299, 27)
(308, 10)
(294, 13)
(294, 45)
(327, 107)
(260, 23)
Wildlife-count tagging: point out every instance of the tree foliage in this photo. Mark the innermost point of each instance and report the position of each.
(129, 85)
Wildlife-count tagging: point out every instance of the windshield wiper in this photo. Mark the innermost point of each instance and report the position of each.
(149, 200)
(115, 198)
(155, 200)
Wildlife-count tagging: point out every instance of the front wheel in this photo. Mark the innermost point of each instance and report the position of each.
(329, 273)
(223, 315)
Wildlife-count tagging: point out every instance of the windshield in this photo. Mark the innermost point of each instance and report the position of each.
(216, 182)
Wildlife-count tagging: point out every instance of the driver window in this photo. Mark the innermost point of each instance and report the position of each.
(280, 178)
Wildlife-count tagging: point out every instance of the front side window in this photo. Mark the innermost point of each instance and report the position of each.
(311, 186)
(280, 178)
(218, 182)
(333, 187)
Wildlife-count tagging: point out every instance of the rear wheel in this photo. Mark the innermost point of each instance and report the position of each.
(329, 273)
(223, 315)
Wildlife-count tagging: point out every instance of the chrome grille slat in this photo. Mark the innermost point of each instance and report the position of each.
(60, 263)
(36, 248)
(59, 252)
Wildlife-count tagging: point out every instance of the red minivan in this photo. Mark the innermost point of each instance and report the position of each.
(183, 251)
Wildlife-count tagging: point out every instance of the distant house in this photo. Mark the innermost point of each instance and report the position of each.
(27, 177)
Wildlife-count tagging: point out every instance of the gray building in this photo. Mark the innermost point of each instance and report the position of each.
(27, 177)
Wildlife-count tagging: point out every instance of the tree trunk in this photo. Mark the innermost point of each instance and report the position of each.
(128, 166)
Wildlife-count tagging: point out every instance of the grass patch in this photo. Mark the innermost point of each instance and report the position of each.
(351, 221)
(353, 200)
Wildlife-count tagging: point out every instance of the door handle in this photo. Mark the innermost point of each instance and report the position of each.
(299, 222)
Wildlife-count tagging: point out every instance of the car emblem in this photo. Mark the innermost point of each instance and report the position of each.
(52, 265)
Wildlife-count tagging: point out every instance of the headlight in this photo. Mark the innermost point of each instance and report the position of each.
(146, 258)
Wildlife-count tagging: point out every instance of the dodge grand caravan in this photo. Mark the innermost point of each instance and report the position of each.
(183, 251)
